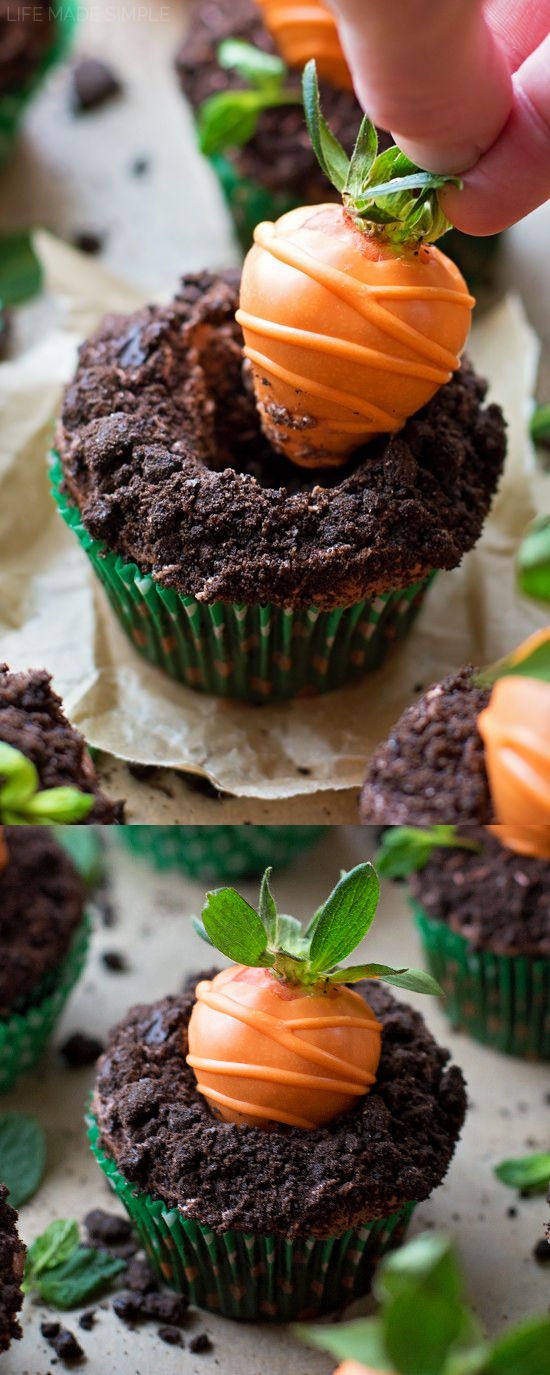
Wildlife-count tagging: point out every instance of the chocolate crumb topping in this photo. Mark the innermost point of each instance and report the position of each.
(41, 905)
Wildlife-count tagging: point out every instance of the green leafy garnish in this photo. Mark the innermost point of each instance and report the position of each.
(20, 270)
(539, 427)
(384, 193)
(64, 1273)
(229, 119)
(425, 1325)
(535, 664)
(404, 849)
(23, 804)
(533, 562)
(22, 1155)
(266, 939)
(529, 1173)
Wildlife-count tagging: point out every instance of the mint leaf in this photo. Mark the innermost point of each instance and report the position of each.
(361, 1340)
(228, 120)
(405, 849)
(533, 563)
(52, 1248)
(344, 918)
(20, 270)
(22, 1155)
(330, 155)
(530, 1172)
(235, 928)
(540, 425)
(84, 1274)
(251, 63)
(524, 1351)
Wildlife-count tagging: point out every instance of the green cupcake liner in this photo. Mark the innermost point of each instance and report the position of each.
(248, 1276)
(24, 1034)
(13, 103)
(249, 203)
(218, 852)
(501, 1000)
(84, 847)
(253, 653)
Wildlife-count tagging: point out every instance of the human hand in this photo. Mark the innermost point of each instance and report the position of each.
(464, 87)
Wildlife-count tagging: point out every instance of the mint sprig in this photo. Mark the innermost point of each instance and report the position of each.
(22, 1155)
(384, 193)
(64, 1273)
(528, 1173)
(425, 1325)
(405, 849)
(533, 561)
(20, 270)
(22, 803)
(539, 427)
(229, 119)
(266, 939)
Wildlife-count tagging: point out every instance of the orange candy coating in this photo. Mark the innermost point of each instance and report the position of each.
(515, 729)
(354, 1368)
(306, 30)
(347, 336)
(266, 1052)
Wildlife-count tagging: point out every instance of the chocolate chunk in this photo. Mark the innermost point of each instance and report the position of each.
(140, 1276)
(115, 961)
(128, 1308)
(50, 1330)
(200, 1343)
(541, 1251)
(107, 1229)
(88, 242)
(87, 1319)
(171, 1335)
(64, 1343)
(167, 1307)
(80, 1050)
(93, 83)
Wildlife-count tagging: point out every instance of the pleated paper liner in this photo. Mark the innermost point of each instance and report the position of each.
(218, 852)
(501, 1000)
(249, 203)
(13, 103)
(249, 1276)
(253, 653)
(25, 1033)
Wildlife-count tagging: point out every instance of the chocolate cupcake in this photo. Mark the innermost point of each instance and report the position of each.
(229, 567)
(473, 749)
(483, 912)
(219, 852)
(33, 723)
(32, 39)
(12, 1265)
(270, 1130)
(44, 934)
(274, 169)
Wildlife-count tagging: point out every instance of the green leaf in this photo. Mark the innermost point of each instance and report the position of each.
(20, 270)
(361, 1340)
(405, 849)
(354, 972)
(19, 775)
(228, 120)
(427, 1260)
(234, 927)
(291, 937)
(525, 1351)
(533, 561)
(539, 427)
(22, 1155)
(344, 918)
(83, 1275)
(267, 908)
(251, 63)
(536, 664)
(530, 1172)
(201, 930)
(414, 981)
(52, 1248)
(362, 158)
(61, 805)
(330, 155)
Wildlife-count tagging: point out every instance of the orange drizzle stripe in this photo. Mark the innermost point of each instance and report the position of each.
(251, 1110)
(347, 400)
(274, 1074)
(280, 1032)
(361, 297)
(312, 1023)
(340, 348)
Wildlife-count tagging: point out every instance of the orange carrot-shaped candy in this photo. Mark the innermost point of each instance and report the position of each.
(515, 729)
(304, 31)
(277, 1037)
(352, 319)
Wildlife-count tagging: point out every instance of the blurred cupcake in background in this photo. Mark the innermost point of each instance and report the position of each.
(218, 852)
(32, 39)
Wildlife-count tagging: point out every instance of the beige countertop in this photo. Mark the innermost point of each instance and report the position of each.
(509, 1115)
(74, 174)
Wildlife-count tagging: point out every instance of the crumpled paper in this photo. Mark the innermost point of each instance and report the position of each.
(54, 614)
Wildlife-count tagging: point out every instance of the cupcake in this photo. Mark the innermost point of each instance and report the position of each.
(265, 1170)
(483, 913)
(265, 163)
(12, 1265)
(217, 852)
(263, 532)
(474, 749)
(44, 934)
(32, 38)
(65, 787)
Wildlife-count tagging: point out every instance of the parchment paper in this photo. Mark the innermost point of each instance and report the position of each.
(54, 614)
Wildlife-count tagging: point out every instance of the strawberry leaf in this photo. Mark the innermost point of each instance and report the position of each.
(533, 563)
(235, 928)
(344, 918)
(330, 155)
